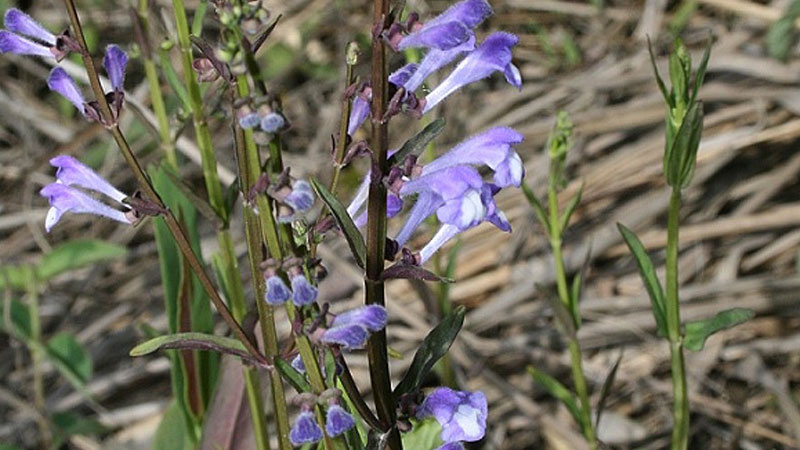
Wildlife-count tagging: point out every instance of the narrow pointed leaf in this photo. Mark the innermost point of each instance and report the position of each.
(701, 71)
(433, 347)
(193, 341)
(661, 86)
(557, 390)
(649, 278)
(689, 157)
(19, 317)
(292, 376)
(573, 203)
(417, 144)
(354, 238)
(606, 389)
(537, 206)
(698, 331)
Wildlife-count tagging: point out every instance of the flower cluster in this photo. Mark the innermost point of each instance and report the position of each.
(337, 421)
(452, 187)
(445, 38)
(277, 293)
(461, 414)
(68, 193)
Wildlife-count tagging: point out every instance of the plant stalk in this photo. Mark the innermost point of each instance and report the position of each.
(149, 192)
(376, 229)
(576, 357)
(680, 430)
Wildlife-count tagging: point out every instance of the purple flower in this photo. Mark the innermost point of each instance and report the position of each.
(494, 54)
(299, 200)
(305, 429)
(248, 121)
(273, 122)
(62, 83)
(64, 199)
(337, 421)
(64, 196)
(350, 329)
(38, 41)
(469, 12)
(277, 291)
(451, 446)
(297, 364)
(304, 293)
(491, 148)
(115, 62)
(461, 414)
(359, 111)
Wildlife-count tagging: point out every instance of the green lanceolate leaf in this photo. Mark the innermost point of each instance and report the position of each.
(557, 390)
(782, 34)
(661, 86)
(433, 347)
(354, 238)
(573, 203)
(70, 358)
(76, 254)
(171, 433)
(649, 278)
(537, 206)
(68, 424)
(700, 75)
(698, 331)
(606, 389)
(291, 375)
(17, 320)
(192, 341)
(417, 144)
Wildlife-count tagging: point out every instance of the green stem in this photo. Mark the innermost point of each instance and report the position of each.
(680, 430)
(202, 132)
(154, 85)
(376, 230)
(576, 357)
(149, 192)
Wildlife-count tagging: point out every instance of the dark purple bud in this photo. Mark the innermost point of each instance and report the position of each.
(338, 421)
(305, 429)
(115, 62)
(205, 70)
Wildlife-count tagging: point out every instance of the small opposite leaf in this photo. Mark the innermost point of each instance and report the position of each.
(20, 319)
(291, 375)
(354, 238)
(417, 144)
(171, 433)
(557, 390)
(661, 86)
(649, 278)
(573, 203)
(433, 347)
(700, 75)
(74, 255)
(606, 389)
(70, 358)
(411, 272)
(698, 331)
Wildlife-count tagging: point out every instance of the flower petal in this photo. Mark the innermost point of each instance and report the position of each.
(461, 414)
(338, 421)
(427, 203)
(305, 429)
(438, 36)
(448, 183)
(62, 83)
(74, 173)
(445, 233)
(64, 199)
(21, 23)
(434, 60)
(277, 291)
(494, 54)
(469, 12)
(273, 122)
(347, 337)
(358, 114)
(115, 62)
(11, 43)
(371, 317)
(303, 293)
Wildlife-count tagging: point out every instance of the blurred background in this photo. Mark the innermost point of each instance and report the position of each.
(739, 239)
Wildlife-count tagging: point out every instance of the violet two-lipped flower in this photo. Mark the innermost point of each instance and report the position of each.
(305, 429)
(461, 414)
(59, 81)
(25, 36)
(337, 420)
(65, 196)
(115, 61)
(494, 54)
(350, 330)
